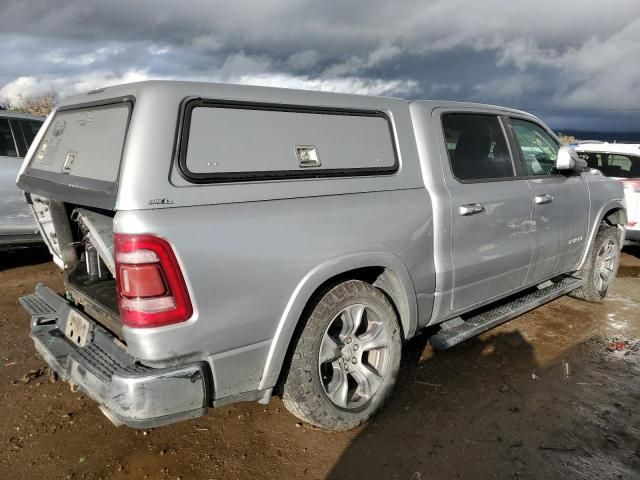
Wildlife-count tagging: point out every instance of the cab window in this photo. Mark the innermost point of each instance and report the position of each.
(477, 147)
(539, 150)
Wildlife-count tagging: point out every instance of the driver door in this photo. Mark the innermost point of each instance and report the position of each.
(560, 202)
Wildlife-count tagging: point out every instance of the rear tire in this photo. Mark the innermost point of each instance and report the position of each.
(601, 266)
(346, 360)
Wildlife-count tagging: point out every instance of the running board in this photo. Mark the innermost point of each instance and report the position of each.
(458, 330)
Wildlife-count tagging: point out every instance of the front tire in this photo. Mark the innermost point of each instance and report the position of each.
(601, 266)
(346, 360)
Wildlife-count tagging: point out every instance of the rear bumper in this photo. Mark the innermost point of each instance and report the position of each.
(128, 393)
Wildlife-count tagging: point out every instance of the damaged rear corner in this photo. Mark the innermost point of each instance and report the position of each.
(128, 392)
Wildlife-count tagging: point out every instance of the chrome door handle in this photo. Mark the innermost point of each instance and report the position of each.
(471, 208)
(542, 199)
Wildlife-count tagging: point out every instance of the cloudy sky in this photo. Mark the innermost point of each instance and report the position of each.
(576, 63)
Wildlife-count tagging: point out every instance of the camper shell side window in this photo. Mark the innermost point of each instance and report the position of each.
(240, 141)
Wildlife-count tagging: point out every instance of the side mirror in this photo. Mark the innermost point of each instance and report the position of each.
(568, 160)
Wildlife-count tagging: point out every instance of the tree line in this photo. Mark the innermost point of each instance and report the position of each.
(33, 104)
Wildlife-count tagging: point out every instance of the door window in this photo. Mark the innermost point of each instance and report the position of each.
(477, 147)
(594, 160)
(539, 149)
(7, 145)
(24, 132)
(623, 166)
(29, 130)
(613, 164)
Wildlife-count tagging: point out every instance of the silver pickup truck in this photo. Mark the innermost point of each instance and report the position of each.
(225, 243)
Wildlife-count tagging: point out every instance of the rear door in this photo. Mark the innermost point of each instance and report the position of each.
(15, 215)
(491, 210)
(560, 202)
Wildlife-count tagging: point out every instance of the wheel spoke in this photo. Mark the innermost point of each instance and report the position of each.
(608, 256)
(329, 350)
(367, 378)
(338, 388)
(610, 251)
(351, 318)
(374, 339)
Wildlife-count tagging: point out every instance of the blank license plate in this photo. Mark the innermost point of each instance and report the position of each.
(78, 329)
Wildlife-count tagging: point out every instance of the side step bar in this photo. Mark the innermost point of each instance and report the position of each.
(458, 330)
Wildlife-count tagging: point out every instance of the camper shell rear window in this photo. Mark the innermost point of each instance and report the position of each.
(80, 154)
(224, 141)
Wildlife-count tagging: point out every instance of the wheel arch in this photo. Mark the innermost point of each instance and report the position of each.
(383, 270)
(613, 213)
(616, 216)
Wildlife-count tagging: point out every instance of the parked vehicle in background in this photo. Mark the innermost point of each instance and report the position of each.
(620, 161)
(17, 225)
(221, 243)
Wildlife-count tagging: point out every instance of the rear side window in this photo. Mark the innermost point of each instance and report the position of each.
(477, 147)
(7, 145)
(539, 150)
(235, 142)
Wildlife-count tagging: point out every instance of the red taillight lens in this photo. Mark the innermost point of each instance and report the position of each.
(633, 185)
(141, 281)
(151, 289)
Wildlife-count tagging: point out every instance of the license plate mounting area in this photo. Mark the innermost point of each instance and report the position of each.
(78, 329)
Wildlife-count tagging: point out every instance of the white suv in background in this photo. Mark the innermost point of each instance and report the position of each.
(622, 162)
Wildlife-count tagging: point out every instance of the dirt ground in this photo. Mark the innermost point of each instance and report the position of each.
(548, 395)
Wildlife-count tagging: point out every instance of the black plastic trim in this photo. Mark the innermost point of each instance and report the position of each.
(190, 104)
(99, 103)
(69, 188)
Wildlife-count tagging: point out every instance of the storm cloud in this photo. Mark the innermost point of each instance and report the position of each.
(576, 63)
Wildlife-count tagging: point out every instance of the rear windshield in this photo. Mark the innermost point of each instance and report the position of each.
(613, 164)
(86, 142)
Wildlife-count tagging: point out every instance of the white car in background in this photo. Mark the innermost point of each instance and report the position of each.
(622, 162)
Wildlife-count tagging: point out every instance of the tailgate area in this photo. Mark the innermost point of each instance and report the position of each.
(127, 391)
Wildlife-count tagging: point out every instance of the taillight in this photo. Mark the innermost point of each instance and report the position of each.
(151, 289)
(633, 185)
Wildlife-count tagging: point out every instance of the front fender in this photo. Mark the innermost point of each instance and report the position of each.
(596, 220)
(308, 286)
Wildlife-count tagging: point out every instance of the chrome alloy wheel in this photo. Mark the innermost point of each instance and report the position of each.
(353, 357)
(606, 265)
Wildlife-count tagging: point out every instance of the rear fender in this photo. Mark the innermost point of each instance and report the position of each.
(309, 285)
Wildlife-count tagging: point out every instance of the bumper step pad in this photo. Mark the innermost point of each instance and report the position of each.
(458, 330)
(127, 391)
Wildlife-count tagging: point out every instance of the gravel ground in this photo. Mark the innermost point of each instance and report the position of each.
(552, 394)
